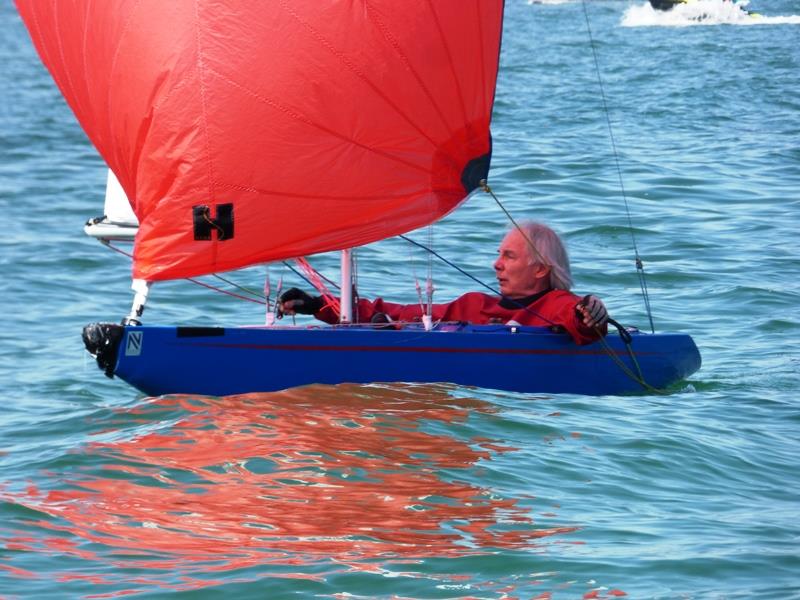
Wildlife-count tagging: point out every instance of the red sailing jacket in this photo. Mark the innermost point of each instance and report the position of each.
(555, 308)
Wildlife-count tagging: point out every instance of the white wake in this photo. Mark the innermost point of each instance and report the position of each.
(701, 12)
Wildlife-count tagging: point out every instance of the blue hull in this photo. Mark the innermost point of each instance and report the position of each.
(224, 361)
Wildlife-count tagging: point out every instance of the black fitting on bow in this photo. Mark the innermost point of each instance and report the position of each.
(102, 341)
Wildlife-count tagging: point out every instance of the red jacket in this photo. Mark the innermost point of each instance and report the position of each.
(554, 308)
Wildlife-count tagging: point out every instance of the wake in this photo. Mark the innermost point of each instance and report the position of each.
(700, 12)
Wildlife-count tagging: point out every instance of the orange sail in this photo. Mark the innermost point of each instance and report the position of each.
(248, 132)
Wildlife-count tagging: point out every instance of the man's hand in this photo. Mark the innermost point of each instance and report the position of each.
(296, 301)
(592, 310)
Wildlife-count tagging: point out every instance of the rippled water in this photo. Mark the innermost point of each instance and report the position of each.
(442, 491)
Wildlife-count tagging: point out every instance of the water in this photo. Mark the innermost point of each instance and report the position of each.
(441, 491)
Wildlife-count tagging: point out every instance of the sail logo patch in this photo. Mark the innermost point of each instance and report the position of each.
(205, 225)
(133, 343)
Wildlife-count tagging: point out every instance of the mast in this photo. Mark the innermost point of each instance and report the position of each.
(346, 303)
(141, 289)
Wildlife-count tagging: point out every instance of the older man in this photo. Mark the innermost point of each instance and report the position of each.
(533, 273)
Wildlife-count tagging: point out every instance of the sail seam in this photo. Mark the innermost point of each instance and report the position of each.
(304, 119)
(204, 120)
(106, 136)
(67, 78)
(42, 47)
(85, 51)
(479, 24)
(352, 68)
(287, 194)
(392, 41)
(450, 62)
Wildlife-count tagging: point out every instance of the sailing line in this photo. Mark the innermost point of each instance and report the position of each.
(639, 264)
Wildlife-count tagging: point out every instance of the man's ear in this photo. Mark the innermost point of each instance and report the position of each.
(541, 271)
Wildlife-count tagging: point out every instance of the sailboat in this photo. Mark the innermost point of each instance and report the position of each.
(242, 136)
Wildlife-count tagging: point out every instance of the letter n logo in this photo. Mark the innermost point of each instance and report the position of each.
(133, 343)
(205, 224)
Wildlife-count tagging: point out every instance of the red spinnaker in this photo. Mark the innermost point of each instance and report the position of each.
(248, 132)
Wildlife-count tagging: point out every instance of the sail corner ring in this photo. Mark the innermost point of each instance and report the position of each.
(475, 171)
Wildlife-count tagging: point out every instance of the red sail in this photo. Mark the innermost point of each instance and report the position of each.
(247, 132)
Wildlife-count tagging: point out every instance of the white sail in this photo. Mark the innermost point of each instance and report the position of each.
(118, 221)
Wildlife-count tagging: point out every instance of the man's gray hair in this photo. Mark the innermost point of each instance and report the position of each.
(550, 250)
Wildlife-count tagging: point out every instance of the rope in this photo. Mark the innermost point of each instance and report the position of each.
(609, 351)
(316, 280)
(638, 259)
(638, 378)
(476, 280)
(260, 295)
(429, 283)
(306, 279)
(314, 274)
(226, 292)
(200, 283)
(626, 338)
(485, 187)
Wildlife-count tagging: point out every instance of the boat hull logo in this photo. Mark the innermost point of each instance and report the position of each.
(133, 343)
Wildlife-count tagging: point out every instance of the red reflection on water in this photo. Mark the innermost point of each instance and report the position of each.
(349, 474)
(18, 572)
(599, 594)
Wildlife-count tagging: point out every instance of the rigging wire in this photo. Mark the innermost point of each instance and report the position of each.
(637, 376)
(354, 285)
(259, 297)
(240, 287)
(260, 300)
(432, 252)
(429, 289)
(485, 187)
(417, 286)
(306, 279)
(639, 263)
(475, 279)
(316, 280)
(226, 292)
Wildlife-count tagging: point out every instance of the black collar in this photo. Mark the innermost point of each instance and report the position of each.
(518, 303)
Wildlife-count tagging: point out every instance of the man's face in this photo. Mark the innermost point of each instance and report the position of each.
(515, 273)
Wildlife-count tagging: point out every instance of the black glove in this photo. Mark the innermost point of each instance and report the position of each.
(295, 300)
(592, 311)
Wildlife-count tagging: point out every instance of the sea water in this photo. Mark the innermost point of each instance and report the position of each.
(439, 491)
